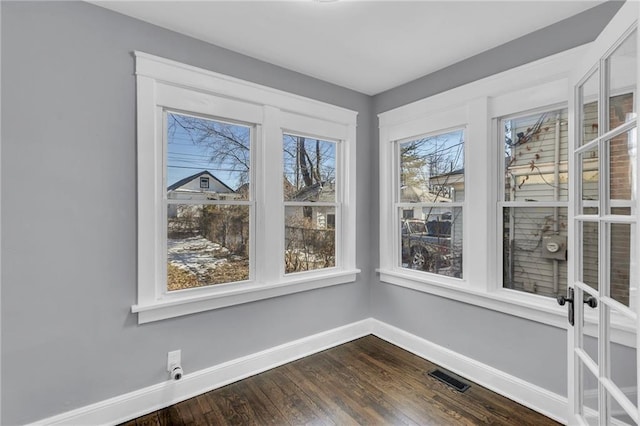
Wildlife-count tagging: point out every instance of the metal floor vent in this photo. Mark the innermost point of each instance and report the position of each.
(449, 380)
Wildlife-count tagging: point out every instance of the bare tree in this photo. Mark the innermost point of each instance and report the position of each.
(227, 145)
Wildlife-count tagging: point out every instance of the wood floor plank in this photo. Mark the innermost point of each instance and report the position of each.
(364, 382)
(292, 403)
(331, 404)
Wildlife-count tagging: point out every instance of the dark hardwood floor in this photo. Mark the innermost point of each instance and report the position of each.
(367, 381)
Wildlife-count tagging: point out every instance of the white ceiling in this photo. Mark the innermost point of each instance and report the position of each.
(367, 46)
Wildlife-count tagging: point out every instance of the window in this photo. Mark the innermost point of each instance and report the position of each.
(534, 201)
(430, 199)
(216, 224)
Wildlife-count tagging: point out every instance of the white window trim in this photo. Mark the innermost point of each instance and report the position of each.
(162, 83)
(477, 105)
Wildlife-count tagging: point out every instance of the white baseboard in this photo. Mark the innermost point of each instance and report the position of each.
(138, 403)
(541, 400)
(134, 404)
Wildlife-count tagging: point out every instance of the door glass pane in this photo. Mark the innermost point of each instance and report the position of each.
(431, 239)
(432, 168)
(618, 415)
(620, 261)
(589, 394)
(310, 238)
(622, 173)
(588, 162)
(622, 67)
(309, 169)
(535, 249)
(589, 108)
(589, 254)
(535, 149)
(624, 369)
(206, 245)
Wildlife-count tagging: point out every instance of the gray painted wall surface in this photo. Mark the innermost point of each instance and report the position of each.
(69, 216)
(523, 348)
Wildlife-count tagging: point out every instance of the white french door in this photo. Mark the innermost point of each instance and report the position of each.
(604, 242)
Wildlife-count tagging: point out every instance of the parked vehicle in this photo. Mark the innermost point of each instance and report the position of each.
(426, 246)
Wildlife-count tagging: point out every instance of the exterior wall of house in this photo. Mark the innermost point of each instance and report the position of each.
(526, 265)
(69, 257)
(192, 190)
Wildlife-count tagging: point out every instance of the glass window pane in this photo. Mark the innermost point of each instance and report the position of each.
(589, 395)
(206, 245)
(622, 173)
(589, 254)
(535, 157)
(618, 415)
(207, 159)
(432, 240)
(534, 250)
(432, 169)
(622, 67)
(309, 169)
(624, 366)
(310, 238)
(620, 261)
(589, 92)
(589, 185)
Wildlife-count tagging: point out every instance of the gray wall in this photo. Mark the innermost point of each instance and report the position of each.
(69, 216)
(526, 349)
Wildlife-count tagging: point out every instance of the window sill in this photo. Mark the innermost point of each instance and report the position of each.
(528, 306)
(178, 306)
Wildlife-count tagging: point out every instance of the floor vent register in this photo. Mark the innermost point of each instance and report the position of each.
(449, 380)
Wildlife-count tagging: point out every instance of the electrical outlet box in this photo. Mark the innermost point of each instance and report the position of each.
(173, 358)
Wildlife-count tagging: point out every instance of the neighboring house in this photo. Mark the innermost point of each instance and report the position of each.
(200, 186)
(416, 194)
(322, 217)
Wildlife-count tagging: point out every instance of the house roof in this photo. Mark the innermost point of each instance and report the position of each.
(419, 195)
(188, 179)
(316, 192)
(453, 177)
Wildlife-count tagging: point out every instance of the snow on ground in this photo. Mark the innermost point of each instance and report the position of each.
(196, 255)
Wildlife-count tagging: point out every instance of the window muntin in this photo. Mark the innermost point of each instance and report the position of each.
(208, 169)
(534, 205)
(311, 202)
(430, 199)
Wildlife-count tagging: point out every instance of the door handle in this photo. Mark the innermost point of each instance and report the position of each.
(591, 301)
(568, 299)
